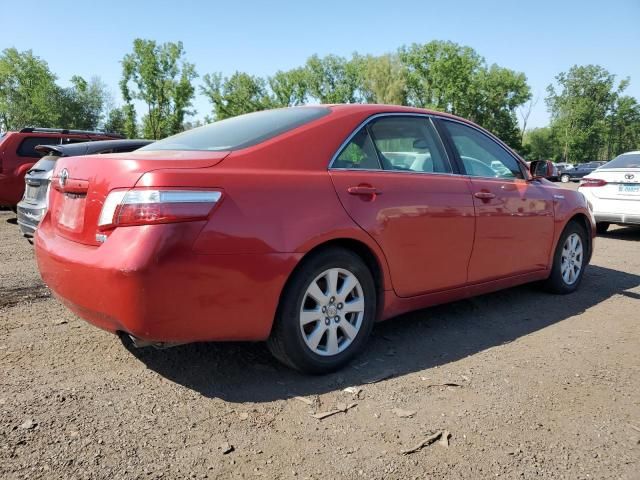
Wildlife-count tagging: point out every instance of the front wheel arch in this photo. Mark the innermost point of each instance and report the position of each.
(582, 220)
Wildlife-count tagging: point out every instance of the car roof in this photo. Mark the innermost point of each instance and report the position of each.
(87, 148)
(373, 108)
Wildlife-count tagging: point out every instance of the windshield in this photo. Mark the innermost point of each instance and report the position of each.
(241, 131)
(627, 160)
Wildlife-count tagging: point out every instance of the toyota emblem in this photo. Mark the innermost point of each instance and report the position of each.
(629, 176)
(64, 176)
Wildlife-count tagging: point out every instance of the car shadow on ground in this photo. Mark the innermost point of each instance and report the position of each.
(245, 372)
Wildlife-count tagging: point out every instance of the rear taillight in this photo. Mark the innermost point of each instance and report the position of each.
(592, 182)
(147, 207)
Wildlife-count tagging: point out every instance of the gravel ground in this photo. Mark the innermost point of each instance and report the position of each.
(527, 385)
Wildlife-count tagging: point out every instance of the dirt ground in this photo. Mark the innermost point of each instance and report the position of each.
(528, 385)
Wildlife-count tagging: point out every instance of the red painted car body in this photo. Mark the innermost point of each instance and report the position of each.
(17, 155)
(427, 237)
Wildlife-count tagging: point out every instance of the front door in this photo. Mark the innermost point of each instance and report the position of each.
(395, 180)
(515, 224)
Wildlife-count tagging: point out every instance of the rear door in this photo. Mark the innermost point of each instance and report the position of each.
(395, 180)
(515, 223)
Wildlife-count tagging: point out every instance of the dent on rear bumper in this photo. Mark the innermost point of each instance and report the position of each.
(147, 282)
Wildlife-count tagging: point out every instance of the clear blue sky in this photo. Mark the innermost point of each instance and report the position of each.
(539, 38)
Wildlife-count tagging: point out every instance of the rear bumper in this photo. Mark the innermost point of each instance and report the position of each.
(147, 282)
(29, 216)
(627, 219)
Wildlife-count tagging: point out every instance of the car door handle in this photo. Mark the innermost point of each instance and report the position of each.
(484, 195)
(363, 190)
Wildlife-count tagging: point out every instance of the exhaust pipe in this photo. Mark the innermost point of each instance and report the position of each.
(140, 343)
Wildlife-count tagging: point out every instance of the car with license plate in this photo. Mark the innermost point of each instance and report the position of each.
(614, 191)
(37, 179)
(302, 227)
(18, 155)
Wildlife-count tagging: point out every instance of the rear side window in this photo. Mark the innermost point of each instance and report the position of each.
(480, 155)
(241, 131)
(359, 153)
(628, 160)
(28, 145)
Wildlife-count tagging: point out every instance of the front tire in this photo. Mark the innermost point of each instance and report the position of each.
(564, 178)
(326, 312)
(569, 260)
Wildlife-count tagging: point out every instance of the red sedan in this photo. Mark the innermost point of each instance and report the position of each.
(304, 226)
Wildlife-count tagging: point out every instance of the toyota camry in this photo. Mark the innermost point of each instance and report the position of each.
(302, 227)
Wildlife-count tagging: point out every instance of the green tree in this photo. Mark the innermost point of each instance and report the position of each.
(27, 91)
(235, 95)
(116, 121)
(333, 79)
(452, 78)
(289, 88)
(579, 105)
(382, 79)
(541, 144)
(161, 78)
(81, 105)
(500, 92)
(624, 127)
(441, 75)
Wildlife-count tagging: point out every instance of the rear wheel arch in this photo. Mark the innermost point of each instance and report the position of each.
(364, 251)
(285, 340)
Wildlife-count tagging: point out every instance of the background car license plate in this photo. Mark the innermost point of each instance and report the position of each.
(629, 188)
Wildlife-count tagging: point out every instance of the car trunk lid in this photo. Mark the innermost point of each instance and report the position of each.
(80, 185)
(623, 183)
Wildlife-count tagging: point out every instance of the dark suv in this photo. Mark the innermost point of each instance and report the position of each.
(18, 154)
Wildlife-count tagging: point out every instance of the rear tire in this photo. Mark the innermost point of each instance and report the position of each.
(602, 227)
(569, 260)
(564, 178)
(326, 312)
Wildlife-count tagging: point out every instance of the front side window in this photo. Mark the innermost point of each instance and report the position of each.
(480, 155)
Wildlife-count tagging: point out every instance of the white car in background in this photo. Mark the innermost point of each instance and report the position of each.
(613, 190)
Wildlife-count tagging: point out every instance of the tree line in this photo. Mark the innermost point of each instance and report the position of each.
(591, 118)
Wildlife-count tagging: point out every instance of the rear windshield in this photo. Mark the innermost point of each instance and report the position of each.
(241, 131)
(629, 160)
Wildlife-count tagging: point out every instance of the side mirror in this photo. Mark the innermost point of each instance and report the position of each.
(543, 169)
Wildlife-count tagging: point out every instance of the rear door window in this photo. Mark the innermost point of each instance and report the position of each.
(409, 144)
(28, 145)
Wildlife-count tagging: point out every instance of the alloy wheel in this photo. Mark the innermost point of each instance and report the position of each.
(572, 259)
(332, 312)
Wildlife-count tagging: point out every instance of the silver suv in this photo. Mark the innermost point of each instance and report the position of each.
(34, 203)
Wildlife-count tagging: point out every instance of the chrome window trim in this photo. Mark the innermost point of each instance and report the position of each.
(365, 122)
